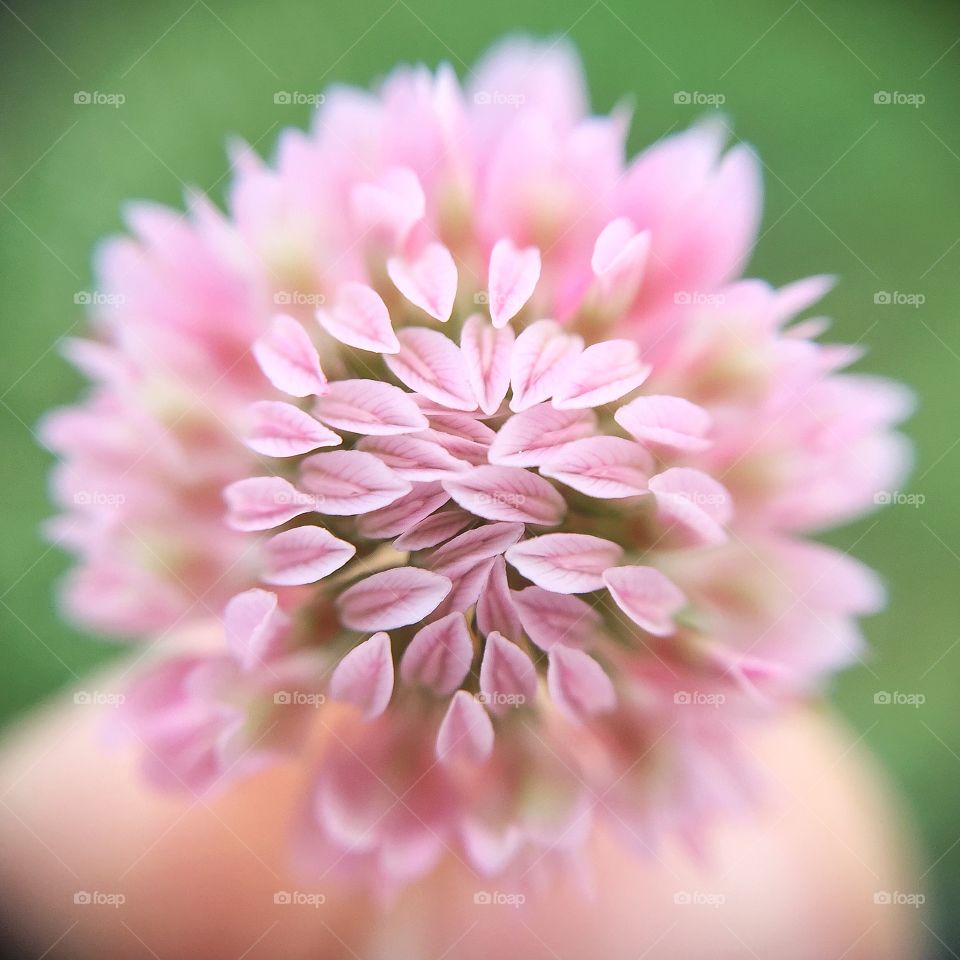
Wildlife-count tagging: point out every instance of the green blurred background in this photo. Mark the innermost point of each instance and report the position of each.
(862, 189)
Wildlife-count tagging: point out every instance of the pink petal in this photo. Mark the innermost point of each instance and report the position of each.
(512, 279)
(488, 851)
(541, 357)
(392, 598)
(604, 467)
(402, 514)
(486, 353)
(439, 655)
(507, 493)
(429, 281)
(551, 618)
(461, 436)
(304, 555)
(359, 318)
(369, 407)
(564, 562)
(413, 458)
(461, 553)
(364, 677)
(507, 675)
(283, 430)
(646, 596)
(466, 589)
(430, 363)
(289, 360)
(533, 436)
(693, 502)
(466, 732)
(347, 482)
(664, 421)
(603, 372)
(395, 203)
(620, 258)
(254, 626)
(261, 503)
(577, 684)
(495, 608)
(433, 530)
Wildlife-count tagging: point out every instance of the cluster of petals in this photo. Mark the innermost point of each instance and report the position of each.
(462, 436)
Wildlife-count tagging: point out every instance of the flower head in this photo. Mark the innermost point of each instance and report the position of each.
(461, 421)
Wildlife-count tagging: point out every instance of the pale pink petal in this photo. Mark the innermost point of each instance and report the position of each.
(303, 555)
(394, 203)
(693, 502)
(364, 677)
(578, 685)
(495, 608)
(608, 468)
(602, 373)
(507, 675)
(488, 850)
(392, 598)
(550, 618)
(541, 357)
(430, 363)
(461, 553)
(507, 493)
(664, 421)
(564, 562)
(434, 529)
(282, 430)
(254, 627)
(529, 438)
(466, 589)
(486, 353)
(461, 436)
(369, 407)
(512, 279)
(439, 655)
(648, 597)
(289, 360)
(413, 458)
(347, 482)
(398, 517)
(466, 732)
(359, 318)
(429, 281)
(620, 258)
(261, 503)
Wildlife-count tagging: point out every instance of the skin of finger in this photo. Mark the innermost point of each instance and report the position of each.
(798, 879)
